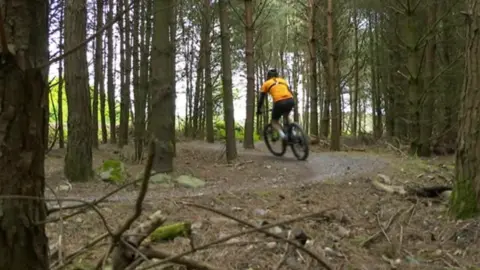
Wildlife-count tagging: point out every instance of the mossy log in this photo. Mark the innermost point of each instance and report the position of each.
(171, 231)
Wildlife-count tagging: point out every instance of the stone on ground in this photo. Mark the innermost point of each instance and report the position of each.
(113, 171)
(190, 181)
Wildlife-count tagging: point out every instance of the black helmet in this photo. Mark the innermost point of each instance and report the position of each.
(272, 73)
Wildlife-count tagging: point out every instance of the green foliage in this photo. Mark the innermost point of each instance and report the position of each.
(53, 105)
(220, 133)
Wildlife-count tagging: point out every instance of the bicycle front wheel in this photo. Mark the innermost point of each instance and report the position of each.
(299, 140)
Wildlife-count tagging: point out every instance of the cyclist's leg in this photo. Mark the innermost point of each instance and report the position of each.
(277, 112)
(289, 105)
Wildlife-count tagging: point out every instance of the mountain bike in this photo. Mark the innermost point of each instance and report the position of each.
(296, 137)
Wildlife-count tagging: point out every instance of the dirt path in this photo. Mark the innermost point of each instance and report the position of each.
(256, 170)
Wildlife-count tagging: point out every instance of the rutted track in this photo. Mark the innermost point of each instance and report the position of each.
(318, 167)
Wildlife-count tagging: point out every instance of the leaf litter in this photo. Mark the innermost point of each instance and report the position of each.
(365, 228)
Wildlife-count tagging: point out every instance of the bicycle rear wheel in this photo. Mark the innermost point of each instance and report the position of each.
(267, 136)
(298, 139)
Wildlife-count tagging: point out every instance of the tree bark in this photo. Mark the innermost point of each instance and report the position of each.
(208, 75)
(141, 90)
(110, 79)
(23, 125)
(126, 59)
(61, 132)
(161, 86)
(248, 142)
(333, 89)
(356, 87)
(98, 80)
(231, 146)
(313, 68)
(78, 160)
(465, 201)
(428, 97)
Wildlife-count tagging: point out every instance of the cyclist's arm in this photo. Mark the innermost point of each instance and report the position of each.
(261, 98)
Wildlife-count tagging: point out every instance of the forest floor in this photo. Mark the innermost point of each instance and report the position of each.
(360, 227)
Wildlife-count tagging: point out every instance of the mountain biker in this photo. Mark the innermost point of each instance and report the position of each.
(283, 101)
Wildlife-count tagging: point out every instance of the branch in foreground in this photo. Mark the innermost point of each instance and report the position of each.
(317, 257)
(117, 236)
(189, 263)
(124, 255)
(255, 229)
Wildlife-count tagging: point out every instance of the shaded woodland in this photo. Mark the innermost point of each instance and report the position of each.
(82, 74)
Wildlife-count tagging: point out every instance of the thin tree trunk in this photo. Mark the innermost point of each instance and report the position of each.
(61, 132)
(313, 68)
(98, 80)
(356, 87)
(78, 160)
(126, 59)
(335, 136)
(208, 74)
(248, 142)
(231, 146)
(110, 79)
(427, 111)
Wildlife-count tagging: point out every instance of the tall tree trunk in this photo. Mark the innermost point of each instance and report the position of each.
(356, 86)
(135, 57)
(249, 59)
(334, 91)
(142, 91)
(231, 146)
(172, 23)
(110, 79)
(61, 132)
(208, 74)
(78, 160)
(295, 80)
(313, 68)
(161, 87)
(197, 112)
(465, 200)
(126, 60)
(98, 80)
(23, 125)
(428, 97)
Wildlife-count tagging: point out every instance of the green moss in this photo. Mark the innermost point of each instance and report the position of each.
(112, 170)
(169, 232)
(463, 202)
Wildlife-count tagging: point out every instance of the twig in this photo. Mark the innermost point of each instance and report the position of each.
(35, 198)
(286, 253)
(61, 229)
(377, 234)
(141, 195)
(155, 253)
(95, 202)
(226, 238)
(138, 207)
(69, 259)
(383, 230)
(400, 241)
(317, 257)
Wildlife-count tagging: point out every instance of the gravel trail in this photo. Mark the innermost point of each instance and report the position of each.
(319, 167)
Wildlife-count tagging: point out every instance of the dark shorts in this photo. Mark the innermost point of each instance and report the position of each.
(282, 107)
